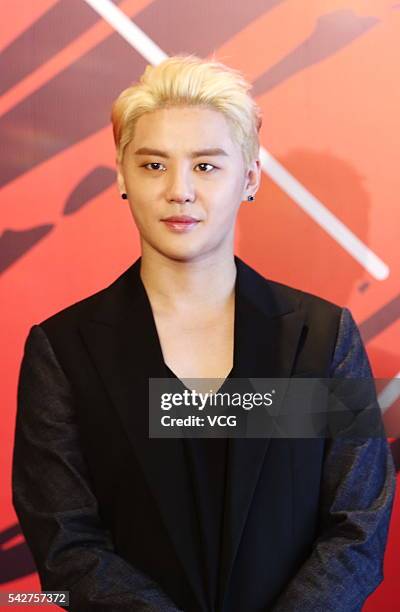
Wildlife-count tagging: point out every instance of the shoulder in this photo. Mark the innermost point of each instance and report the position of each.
(280, 296)
(310, 303)
(327, 325)
(69, 319)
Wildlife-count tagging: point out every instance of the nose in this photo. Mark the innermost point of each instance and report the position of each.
(180, 188)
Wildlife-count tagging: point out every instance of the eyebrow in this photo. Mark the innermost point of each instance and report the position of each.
(208, 152)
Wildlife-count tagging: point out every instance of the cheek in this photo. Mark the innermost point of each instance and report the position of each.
(225, 207)
(146, 218)
(138, 214)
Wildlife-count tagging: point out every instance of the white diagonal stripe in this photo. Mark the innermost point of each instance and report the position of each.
(390, 393)
(290, 185)
(128, 30)
(323, 216)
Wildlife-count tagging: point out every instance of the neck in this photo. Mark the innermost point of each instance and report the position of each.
(179, 286)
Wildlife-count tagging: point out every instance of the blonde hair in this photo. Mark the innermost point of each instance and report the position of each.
(187, 80)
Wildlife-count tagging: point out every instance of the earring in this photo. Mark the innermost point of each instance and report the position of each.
(250, 198)
(124, 196)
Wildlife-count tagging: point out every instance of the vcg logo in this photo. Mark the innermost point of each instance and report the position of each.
(222, 420)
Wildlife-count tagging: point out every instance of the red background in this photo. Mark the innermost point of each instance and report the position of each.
(325, 74)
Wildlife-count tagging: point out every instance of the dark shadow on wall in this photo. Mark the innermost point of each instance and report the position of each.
(15, 561)
(278, 235)
(267, 228)
(332, 32)
(16, 243)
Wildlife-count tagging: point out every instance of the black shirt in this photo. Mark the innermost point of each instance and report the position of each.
(207, 460)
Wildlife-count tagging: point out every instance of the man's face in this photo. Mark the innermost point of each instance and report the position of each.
(180, 180)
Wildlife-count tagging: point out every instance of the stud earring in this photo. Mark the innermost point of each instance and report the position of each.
(124, 196)
(250, 198)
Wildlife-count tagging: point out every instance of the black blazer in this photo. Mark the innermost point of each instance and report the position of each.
(107, 512)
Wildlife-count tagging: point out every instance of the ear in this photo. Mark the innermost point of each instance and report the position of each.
(120, 178)
(252, 178)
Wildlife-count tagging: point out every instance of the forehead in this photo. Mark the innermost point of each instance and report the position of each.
(191, 127)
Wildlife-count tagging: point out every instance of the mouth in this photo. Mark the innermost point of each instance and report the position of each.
(180, 223)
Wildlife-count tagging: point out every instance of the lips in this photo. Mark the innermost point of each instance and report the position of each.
(181, 219)
(180, 223)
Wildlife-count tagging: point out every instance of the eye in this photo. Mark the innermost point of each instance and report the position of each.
(206, 164)
(152, 164)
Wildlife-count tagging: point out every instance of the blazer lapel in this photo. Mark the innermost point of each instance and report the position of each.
(268, 326)
(122, 339)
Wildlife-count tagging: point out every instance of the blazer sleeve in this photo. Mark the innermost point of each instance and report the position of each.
(52, 496)
(357, 491)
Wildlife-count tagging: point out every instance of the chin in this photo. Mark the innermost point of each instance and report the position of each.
(186, 252)
(182, 255)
